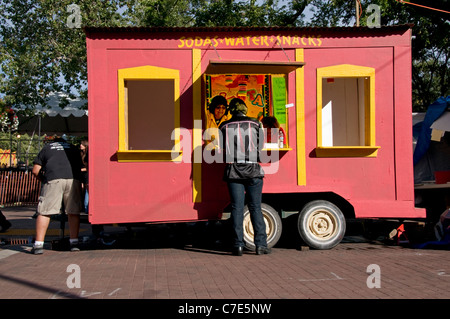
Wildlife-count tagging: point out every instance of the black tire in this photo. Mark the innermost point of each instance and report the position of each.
(321, 224)
(273, 226)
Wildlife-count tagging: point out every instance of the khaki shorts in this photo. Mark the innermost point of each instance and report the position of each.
(58, 192)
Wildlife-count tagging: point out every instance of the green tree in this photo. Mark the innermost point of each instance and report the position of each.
(430, 42)
(40, 53)
(209, 13)
(249, 13)
(43, 51)
(164, 13)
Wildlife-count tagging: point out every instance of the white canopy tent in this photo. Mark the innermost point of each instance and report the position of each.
(72, 120)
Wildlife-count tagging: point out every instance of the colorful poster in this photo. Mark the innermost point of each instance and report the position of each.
(249, 88)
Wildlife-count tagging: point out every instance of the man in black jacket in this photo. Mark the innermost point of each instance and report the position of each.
(241, 145)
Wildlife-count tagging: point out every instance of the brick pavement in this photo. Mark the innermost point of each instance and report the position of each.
(170, 272)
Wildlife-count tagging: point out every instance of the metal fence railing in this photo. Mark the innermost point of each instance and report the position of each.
(18, 152)
(19, 188)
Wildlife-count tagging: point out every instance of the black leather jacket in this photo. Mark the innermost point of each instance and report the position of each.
(242, 141)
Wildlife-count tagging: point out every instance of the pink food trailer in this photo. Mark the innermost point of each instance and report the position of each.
(341, 96)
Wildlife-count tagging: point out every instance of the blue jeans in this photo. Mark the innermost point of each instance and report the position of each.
(86, 202)
(239, 189)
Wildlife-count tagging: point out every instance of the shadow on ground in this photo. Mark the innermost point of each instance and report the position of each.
(214, 236)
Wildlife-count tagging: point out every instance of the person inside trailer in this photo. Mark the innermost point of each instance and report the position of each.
(269, 123)
(218, 113)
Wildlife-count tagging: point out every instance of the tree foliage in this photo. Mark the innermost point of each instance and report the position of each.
(430, 43)
(40, 53)
(248, 13)
(209, 13)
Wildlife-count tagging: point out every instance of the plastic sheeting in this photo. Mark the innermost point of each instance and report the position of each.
(423, 129)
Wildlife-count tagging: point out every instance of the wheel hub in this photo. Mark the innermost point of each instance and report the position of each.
(248, 227)
(322, 224)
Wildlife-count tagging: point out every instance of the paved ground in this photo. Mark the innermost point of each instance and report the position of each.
(154, 264)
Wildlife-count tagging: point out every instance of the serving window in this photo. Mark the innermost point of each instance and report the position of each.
(346, 111)
(265, 96)
(148, 114)
(150, 117)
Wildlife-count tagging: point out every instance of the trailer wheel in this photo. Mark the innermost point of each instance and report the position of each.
(321, 224)
(273, 226)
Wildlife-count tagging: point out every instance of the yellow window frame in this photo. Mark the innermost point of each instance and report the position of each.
(147, 72)
(349, 71)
